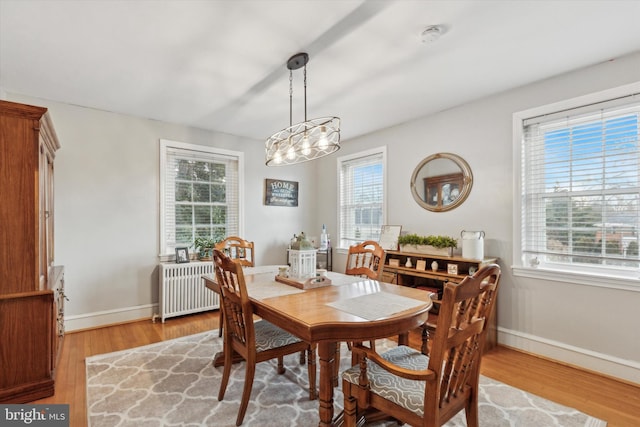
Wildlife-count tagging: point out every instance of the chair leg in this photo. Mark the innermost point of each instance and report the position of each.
(471, 411)
(246, 391)
(220, 321)
(336, 365)
(226, 370)
(311, 367)
(281, 365)
(350, 407)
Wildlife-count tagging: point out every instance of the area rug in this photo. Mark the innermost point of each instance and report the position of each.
(173, 383)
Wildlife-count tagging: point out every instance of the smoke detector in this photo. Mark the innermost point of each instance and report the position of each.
(432, 33)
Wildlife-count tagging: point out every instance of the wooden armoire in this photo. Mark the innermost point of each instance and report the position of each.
(31, 287)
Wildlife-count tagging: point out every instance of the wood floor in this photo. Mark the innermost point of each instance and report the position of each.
(616, 402)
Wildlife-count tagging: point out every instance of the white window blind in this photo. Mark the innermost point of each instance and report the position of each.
(580, 185)
(200, 194)
(362, 196)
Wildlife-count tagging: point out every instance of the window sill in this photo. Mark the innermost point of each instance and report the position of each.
(629, 284)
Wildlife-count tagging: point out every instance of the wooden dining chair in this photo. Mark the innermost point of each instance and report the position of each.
(240, 250)
(366, 259)
(256, 341)
(421, 390)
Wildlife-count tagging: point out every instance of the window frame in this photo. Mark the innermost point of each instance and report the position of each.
(378, 151)
(590, 276)
(167, 252)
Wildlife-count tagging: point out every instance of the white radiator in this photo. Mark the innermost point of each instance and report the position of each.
(182, 289)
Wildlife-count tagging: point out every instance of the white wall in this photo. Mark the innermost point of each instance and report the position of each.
(593, 327)
(106, 208)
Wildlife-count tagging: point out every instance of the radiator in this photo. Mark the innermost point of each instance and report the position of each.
(182, 290)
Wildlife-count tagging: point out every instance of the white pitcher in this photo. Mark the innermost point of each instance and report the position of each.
(472, 244)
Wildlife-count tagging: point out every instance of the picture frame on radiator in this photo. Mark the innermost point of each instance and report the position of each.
(182, 255)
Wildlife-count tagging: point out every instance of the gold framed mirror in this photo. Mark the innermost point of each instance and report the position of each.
(441, 182)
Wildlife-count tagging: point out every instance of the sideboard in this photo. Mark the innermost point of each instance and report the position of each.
(418, 270)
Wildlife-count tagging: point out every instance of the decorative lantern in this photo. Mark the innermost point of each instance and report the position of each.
(303, 263)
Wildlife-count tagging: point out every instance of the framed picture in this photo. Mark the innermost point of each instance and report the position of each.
(278, 192)
(182, 255)
(389, 237)
(452, 268)
(421, 265)
(394, 262)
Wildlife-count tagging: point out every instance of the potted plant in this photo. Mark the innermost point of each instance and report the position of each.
(204, 246)
(431, 245)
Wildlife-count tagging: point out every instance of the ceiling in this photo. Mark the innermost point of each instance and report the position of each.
(221, 65)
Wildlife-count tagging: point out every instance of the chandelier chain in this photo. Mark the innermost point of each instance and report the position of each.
(305, 92)
(290, 97)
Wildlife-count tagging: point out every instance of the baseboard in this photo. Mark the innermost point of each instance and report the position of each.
(625, 370)
(109, 317)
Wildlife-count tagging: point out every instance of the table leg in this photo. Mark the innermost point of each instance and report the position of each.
(326, 354)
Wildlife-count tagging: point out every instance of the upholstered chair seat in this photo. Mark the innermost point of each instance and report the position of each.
(270, 336)
(401, 391)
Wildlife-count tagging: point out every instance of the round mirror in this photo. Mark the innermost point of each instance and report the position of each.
(441, 182)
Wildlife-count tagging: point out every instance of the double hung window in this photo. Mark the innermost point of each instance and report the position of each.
(579, 188)
(200, 192)
(362, 204)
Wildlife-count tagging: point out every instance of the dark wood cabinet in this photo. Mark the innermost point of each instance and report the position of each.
(420, 274)
(442, 190)
(31, 287)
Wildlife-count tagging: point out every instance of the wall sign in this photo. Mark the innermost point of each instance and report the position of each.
(280, 193)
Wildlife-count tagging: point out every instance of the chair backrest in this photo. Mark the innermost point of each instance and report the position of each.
(366, 259)
(458, 342)
(236, 307)
(238, 249)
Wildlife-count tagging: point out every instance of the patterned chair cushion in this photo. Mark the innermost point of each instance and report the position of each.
(406, 393)
(270, 336)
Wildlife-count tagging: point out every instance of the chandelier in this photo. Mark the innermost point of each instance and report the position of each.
(306, 140)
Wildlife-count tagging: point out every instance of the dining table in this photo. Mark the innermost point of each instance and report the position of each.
(347, 308)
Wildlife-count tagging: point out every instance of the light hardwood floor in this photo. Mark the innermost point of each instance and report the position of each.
(616, 402)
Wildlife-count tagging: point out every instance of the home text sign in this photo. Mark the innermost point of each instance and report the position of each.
(280, 193)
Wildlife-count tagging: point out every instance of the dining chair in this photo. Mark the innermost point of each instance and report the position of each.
(421, 390)
(255, 342)
(366, 259)
(240, 250)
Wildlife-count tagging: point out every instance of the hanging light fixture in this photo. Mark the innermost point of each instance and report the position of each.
(306, 140)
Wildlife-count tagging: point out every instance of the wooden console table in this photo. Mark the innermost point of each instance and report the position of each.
(434, 280)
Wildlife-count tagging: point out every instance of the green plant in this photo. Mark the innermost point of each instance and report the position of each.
(203, 243)
(435, 241)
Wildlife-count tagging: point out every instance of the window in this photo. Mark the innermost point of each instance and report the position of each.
(580, 188)
(362, 181)
(200, 194)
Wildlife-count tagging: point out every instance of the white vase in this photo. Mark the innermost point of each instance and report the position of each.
(434, 266)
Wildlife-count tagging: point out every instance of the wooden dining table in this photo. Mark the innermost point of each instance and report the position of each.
(349, 309)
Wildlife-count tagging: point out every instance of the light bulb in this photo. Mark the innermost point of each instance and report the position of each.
(277, 158)
(323, 143)
(305, 145)
(291, 153)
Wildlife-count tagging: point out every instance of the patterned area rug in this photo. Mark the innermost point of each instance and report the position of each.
(173, 383)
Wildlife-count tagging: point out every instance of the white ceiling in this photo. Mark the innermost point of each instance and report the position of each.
(221, 64)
